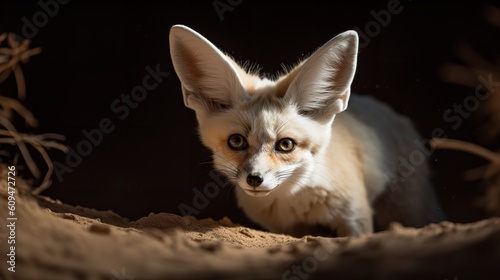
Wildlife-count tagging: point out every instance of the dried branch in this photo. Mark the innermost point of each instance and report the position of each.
(9, 104)
(477, 66)
(18, 51)
(22, 147)
(452, 144)
(10, 58)
(490, 173)
(41, 143)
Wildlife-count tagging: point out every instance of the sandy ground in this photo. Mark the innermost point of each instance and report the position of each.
(58, 241)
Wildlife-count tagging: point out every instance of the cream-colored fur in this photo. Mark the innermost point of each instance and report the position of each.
(337, 174)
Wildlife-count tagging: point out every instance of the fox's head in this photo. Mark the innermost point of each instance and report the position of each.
(263, 133)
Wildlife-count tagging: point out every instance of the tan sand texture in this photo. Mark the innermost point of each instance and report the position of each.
(58, 241)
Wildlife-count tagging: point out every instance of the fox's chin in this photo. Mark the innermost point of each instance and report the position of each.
(257, 193)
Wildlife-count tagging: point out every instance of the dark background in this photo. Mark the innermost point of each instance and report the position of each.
(94, 52)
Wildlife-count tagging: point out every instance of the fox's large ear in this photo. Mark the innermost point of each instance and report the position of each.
(320, 86)
(209, 78)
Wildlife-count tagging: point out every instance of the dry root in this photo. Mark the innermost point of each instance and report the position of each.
(490, 174)
(10, 57)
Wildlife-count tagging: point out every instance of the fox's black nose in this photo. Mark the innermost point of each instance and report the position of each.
(254, 179)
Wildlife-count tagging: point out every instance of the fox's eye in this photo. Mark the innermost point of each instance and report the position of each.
(237, 142)
(285, 145)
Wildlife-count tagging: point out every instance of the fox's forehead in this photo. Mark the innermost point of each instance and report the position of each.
(265, 99)
(264, 117)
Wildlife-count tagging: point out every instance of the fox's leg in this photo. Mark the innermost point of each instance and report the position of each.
(410, 201)
(355, 227)
(358, 221)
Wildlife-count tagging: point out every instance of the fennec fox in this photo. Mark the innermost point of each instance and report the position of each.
(298, 158)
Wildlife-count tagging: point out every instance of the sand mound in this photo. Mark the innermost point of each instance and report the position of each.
(58, 241)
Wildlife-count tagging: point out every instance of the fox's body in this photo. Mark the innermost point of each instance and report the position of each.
(359, 168)
(298, 158)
